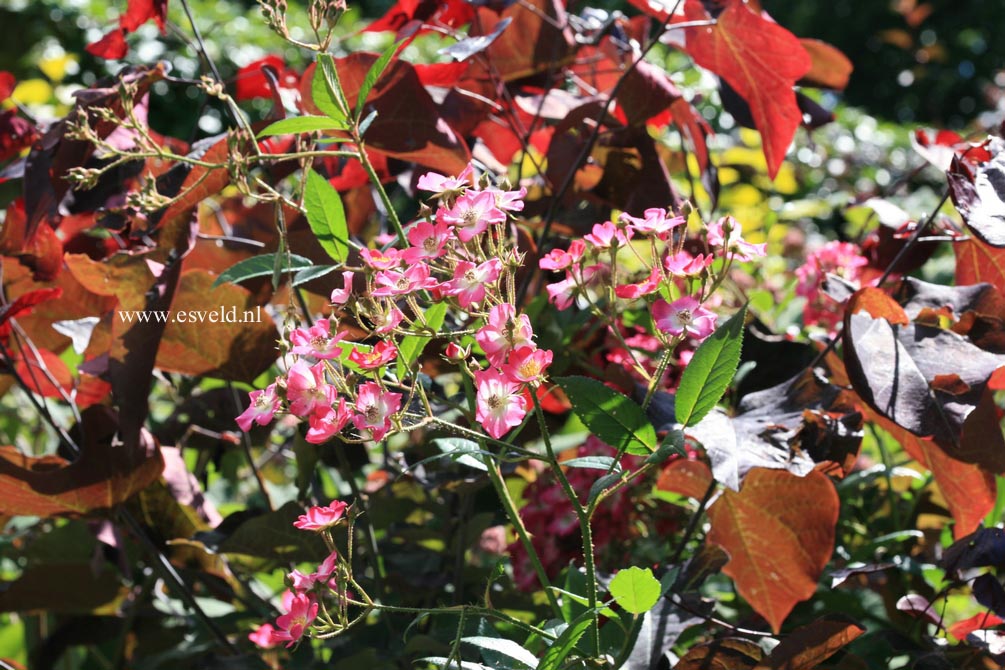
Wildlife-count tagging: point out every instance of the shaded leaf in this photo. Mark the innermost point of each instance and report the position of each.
(261, 266)
(921, 377)
(729, 653)
(635, 589)
(105, 474)
(709, 372)
(808, 646)
(761, 61)
(411, 346)
(779, 533)
(604, 463)
(66, 588)
(985, 547)
(661, 626)
(611, 416)
(270, 535)
(979, 195)
(919, 607)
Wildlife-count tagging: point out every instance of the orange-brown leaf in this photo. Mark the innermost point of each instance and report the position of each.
(104, 475)
(779, 533)
(686, 477)
(978, 262)
(810, 645)
(830, 68)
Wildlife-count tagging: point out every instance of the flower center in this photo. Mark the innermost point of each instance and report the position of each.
(372, 414)
(470, 217)
(319, 342)
(494, 402)
(684, 316)
(429, 244)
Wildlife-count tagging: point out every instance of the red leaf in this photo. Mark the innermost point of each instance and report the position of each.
(534, 41)
(453, 13)
(16, 134)
(112, 46)
(105, 474)
(830, 68)
(779, 534)
(27, 301)
(139, 12)
(441, 74)
(981, 621)
(7, 84)
(251, 82)
(36, 372)
(761, 61)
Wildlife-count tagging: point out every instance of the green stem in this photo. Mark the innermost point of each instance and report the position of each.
(584, 524)
(364, 159)
(654, 383)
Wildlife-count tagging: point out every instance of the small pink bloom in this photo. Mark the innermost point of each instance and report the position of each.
(307, 391)
(340, 296)
(645, 287)
(510, 201)
(527, 364)
(726, 233)
(606, 234)
(654, 221)
(380, 354)
(469, 282)
(381, 260)
(301, 583)
(500, 404)
(388, 283)
(317, 341)
(375, 407)
(556, 259)
(471, 214)
(435, 182)
(264, 636)
(428, 241)
(504, 332)
(562, 293)
(322, 427)
(684, 315)
(456, 352)
(293, 625)
(387, 321)
(264, 405)
(684, 264)
(321, 518)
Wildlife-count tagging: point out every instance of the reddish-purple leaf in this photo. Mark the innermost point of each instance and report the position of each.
(112, 46)
(761, 61)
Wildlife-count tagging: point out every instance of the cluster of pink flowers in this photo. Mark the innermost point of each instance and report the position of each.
(460, 254)
(301, 601)
(590, 267)
(839, 258)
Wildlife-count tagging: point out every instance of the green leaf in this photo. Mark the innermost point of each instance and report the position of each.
(373, 74)
(635, 589)
(451, 664)
(673, 443)
(412, 345)
(604, 463)
(327, 92)
(462, 451)
(611, 416)
(710, 371)
(326, 216)
(260, 266)
(502, 647)
(566, 642)
(301, 124)
(598, 486)
(308, 274)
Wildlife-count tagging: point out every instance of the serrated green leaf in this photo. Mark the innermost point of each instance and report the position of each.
(326, 92)
(556, 654)
(412, 345)
(301, 124)
(326, 216)
(672, 444)
(604, 463)
(611, 416)
(260, 266)
(711, 369)
(502, 647)
(307, 274)
(372, 75)
(635, 589)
